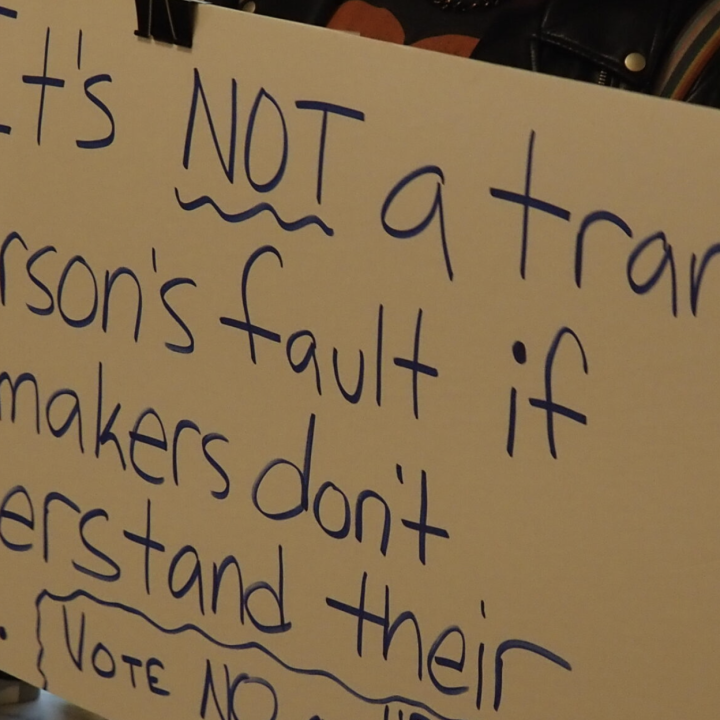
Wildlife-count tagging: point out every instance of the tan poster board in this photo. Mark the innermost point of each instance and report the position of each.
(348, 380)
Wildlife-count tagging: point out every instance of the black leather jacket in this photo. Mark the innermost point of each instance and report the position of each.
(621, 43)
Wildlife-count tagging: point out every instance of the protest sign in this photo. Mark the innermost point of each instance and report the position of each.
(345, 380)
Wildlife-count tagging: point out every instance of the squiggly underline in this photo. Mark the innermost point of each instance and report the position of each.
(227, 646)
(243, 215)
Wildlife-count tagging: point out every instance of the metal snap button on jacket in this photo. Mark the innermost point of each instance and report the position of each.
(635, 62)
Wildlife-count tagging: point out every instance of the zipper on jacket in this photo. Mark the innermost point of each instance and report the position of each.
(602, 78)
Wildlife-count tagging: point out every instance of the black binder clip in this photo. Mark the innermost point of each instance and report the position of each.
(170, 21)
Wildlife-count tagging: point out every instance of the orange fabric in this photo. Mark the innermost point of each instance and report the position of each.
(371, 22)
(361, 17)
(462, 45)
